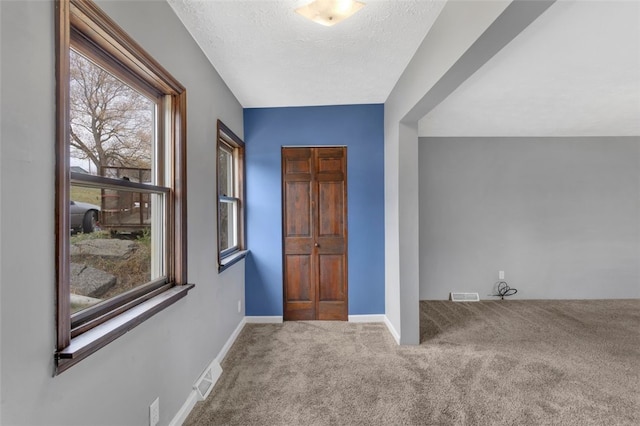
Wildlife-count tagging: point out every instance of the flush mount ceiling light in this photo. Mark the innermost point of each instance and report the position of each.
(329, 12)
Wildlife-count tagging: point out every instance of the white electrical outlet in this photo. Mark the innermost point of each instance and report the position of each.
(501, 275)
(239, 306)
(154, 412)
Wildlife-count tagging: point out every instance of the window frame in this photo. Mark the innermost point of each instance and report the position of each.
(226, 137)
(81, 24)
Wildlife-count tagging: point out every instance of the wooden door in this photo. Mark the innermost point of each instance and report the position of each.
(314, 211)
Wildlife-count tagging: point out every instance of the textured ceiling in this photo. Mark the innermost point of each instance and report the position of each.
(575, 71)
(270, 56)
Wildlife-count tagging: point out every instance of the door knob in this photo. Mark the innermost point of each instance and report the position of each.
(317, 245)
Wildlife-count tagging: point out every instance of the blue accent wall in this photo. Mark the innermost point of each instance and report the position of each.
(361, 129)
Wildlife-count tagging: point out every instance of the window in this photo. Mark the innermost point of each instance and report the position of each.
(230, 153)
(120, 183)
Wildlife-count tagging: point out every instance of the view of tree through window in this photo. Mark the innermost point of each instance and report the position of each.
(120, 183)
(115, 245)
(111, 124)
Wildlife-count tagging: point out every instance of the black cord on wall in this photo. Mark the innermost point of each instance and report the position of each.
(504, 290)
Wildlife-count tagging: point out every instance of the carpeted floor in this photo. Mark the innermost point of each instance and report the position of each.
(484, 363)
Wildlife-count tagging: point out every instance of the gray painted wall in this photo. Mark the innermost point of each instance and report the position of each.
(163, 356)
(561, 216)
(455, 31)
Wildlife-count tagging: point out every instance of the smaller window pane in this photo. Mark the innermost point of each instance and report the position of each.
(225, 172)
(116, 243)
(228, 224)
(111, 123)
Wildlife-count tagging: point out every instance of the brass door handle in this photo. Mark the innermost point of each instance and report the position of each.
(317, 245)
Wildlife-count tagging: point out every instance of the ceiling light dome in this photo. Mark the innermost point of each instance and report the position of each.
(329, 12)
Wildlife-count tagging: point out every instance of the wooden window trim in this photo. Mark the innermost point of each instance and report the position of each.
(89, 29)
(227, 136)
(105, 333)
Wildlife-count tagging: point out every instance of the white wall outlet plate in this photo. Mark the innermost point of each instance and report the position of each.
(154, 412)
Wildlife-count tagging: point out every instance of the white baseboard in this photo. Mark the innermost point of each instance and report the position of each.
(392, 330)
(366, 318)
(184, 411)
(230, 341)
(264, 320)
(194, 395)
(216, 371)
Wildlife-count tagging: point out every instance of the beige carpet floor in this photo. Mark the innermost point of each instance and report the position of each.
(481, 363)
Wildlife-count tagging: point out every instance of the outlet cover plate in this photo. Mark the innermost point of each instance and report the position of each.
(154, 412)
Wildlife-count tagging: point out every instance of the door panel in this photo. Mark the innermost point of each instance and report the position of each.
(299, 279)
(331, 235)
(330, 219)
(315, 233)
(300, 291)
(298, 231)
(302, 165)
(298, 195)
(329, 165)
(331, 268)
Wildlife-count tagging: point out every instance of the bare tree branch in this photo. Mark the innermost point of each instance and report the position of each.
(111, 123)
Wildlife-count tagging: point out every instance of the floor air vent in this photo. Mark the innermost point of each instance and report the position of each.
(465, 297)
(205, 383)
